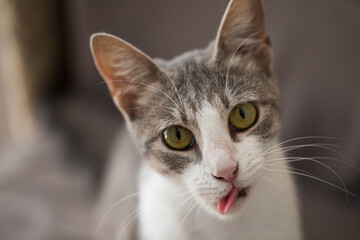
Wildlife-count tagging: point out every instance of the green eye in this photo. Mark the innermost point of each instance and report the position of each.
(178, 138)
(243, 116)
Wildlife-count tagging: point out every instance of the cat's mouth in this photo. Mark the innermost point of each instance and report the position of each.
(228, 201)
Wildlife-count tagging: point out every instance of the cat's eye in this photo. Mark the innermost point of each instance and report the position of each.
(178, 138)
(243, 116)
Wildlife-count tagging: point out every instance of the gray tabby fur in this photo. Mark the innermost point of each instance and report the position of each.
(156, 94)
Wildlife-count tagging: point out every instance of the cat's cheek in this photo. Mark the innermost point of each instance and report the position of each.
(205, 190)
(158, 165)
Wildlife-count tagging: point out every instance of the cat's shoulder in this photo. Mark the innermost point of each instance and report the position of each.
(120, 183)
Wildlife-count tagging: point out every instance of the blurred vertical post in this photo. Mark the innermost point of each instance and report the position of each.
(16, 114)
(28, 55)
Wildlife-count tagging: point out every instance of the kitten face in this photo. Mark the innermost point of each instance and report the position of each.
(198, 91)
(205, 112)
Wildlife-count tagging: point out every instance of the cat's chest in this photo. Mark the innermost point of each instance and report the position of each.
(169, 212)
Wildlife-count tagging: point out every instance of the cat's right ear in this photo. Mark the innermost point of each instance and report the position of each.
(126, 70)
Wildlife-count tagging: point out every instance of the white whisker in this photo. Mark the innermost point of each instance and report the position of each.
(332, 170)
(149, 86)
(297, 159)
(303, 138)
(233, 55)
(291, 148)
(185, 201)
(113, 207)
(173, 83)
(312, 177)
(117, 203)
(129, 220)
(198, 212)
(293, 195)
(149, 107)
(288, 167)
(182, 222)
(172, 212)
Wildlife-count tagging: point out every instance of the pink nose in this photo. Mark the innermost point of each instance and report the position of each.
(227, 173)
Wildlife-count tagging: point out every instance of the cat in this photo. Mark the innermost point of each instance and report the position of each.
(205, 130)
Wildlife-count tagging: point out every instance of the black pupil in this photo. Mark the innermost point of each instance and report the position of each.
(177, 133)
(242, 113)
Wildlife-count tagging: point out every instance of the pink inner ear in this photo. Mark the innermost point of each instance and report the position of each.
(107, 71)
(125, 69)
(127, 101)
(243, 19)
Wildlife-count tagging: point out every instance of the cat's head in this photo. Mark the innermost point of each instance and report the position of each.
(206, 116)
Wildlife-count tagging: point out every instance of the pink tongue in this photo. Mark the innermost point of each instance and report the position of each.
(226, 202)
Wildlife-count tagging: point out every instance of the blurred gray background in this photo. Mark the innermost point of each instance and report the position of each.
(57, 124)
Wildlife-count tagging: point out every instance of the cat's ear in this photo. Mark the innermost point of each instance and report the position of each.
(126, 70)
(242, 30)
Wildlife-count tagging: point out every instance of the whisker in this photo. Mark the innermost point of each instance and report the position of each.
(298, 201)
(245, 76)
(172, 212)
(149, 107)
(312, 177)
(173, 83)
(113, 207)
(235, 92)
(146, 85)
(117, 203)
(129, 220)
(96, 84)
(294, 147)
(233, 55)
(175, 196)
(322, 146)
(336, 160)
(185, 201)
(288, 167)
(317, 145)
(304, 138)
(182, 222)
(132, 216)
(332, 170)
(297, 159)
(198, 212)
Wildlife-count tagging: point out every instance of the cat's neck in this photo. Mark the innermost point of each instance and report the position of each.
(168, 212)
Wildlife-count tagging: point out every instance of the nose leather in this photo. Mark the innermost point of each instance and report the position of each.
(220, 158)
(225, 170)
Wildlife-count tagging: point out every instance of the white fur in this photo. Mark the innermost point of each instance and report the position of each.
(270, 211)
(184, 206)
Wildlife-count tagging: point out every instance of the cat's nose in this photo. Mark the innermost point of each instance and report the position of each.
(225, 173)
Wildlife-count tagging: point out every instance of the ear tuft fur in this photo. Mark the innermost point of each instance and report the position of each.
(242, 31)
(125, 69)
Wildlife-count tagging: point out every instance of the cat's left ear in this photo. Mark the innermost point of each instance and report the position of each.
(242, 31)
(127, 71)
